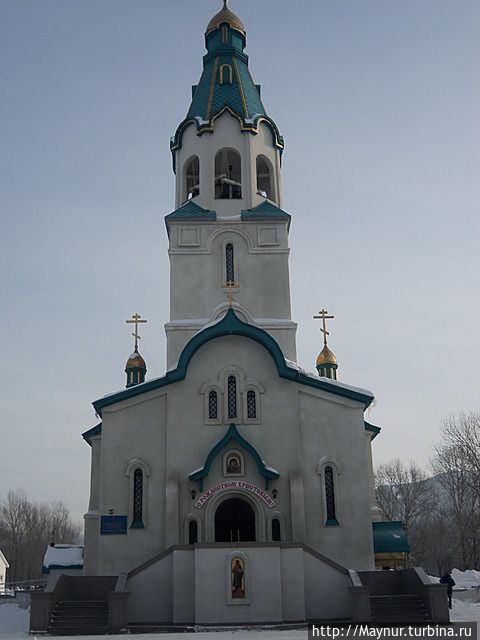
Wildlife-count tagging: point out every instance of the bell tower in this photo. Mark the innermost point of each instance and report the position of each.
(228, 231)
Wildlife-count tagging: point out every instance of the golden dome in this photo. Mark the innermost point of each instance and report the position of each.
(135, 361)
(326, 357)
(225, 15)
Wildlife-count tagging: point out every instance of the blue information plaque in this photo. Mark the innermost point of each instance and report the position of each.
(113, 525)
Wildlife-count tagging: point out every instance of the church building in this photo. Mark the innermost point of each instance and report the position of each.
(238, 487)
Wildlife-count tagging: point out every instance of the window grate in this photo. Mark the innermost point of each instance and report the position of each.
(230, 270)
(330, 493)
(138, 495)
(251, 405)
(232, 397)
(212, 405)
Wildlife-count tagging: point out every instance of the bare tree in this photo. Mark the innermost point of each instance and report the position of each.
(26, 529)
(456, 463)
(403, 492)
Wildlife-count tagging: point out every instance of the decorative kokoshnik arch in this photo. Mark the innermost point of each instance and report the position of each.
(232, 434)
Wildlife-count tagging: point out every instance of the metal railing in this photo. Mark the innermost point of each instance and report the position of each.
(10, 588)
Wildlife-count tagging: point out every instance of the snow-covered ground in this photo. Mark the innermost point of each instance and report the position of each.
(14, 626)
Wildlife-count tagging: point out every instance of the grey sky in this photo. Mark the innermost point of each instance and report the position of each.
(378, 101)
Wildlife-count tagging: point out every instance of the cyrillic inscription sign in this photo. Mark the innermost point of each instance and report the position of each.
(235, 484)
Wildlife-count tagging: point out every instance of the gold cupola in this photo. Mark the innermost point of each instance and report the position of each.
(326, 362)
(225, 15)
(135, 367)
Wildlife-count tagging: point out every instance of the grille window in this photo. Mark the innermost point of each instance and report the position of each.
(330, 493)
(251, 405)
(232, 397)
(212, 406)
(138, 495)
(229, 267)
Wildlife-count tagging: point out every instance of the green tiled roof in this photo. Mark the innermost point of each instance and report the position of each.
(389, 537)
(191, 211)
(265, 211)
(214, 93)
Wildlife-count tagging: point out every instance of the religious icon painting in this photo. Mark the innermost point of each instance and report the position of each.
(238, 578)
(233, 464)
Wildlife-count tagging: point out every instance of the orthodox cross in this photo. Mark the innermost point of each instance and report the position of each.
(136, 320)
(323, 316)
(230, 286)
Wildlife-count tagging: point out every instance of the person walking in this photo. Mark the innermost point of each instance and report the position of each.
(450, 582)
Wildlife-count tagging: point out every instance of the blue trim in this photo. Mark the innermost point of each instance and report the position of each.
(373, 430)
(333, 522)
(46, 570)
(232, 325)
(137, 524)
(94, 431)
(233, 434)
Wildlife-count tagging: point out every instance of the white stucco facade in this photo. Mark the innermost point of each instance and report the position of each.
(236, 454)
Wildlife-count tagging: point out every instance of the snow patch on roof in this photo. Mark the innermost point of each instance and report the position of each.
(63, 555)
(341, 385)
(294, 365)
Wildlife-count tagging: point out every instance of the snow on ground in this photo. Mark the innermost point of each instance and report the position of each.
(13, 621)
(465, 612)
(469, 579)
(14, 626)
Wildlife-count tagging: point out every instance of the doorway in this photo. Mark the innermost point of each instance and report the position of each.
(234, 521)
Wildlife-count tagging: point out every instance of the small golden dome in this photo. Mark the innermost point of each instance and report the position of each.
(225, 15)
(326, 357)
(135, 361)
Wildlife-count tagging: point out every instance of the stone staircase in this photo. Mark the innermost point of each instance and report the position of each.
(79, 617)
(399, 609)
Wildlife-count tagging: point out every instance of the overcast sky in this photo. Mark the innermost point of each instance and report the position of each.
(378, 102)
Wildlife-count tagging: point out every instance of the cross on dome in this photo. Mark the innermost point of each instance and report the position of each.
(323, 316)
(136, 320)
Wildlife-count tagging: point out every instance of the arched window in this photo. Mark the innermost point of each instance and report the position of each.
(192, 178)
(138, 496)
(228, 175)
(138, 473)
(276, 534)
(251, 404)
(330, 496)
(229, 264)
(264, 179)
(224, 35)
(226, 74)
(212, 405)
(192, 532)
(232, 397)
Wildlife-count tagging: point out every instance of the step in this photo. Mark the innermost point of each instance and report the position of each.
(80, 621)
(399, 608)
(79, 631)
(80, 614)
(83, 603)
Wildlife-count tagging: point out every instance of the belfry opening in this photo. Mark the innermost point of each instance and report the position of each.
(234, 521)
